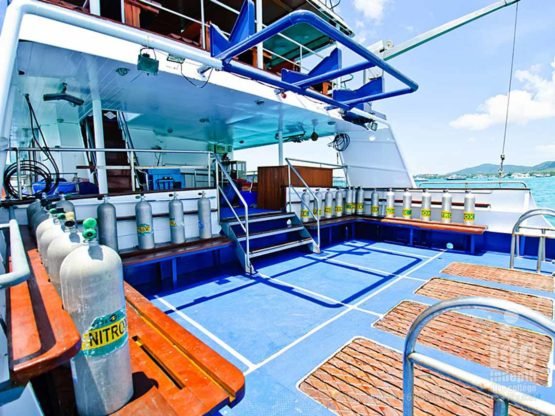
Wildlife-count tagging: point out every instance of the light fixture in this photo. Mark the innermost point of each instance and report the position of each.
(204, 120)
(146, 63)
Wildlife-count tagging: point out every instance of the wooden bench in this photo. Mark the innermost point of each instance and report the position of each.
(41, 334)
(186, 374)
(170, 253)
(410, 224)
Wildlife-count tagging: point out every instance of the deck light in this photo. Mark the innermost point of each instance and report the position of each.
(122, 71)
(146, 63)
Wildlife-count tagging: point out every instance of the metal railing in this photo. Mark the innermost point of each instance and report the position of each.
(20, 266)
(317, 202)
(130, 152)
(470, 184)
(515, 235)
(503, 396)
(243, 223)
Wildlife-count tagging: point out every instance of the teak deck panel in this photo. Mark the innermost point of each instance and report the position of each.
(480, 340)
(41, 334)
(501, 275)
(366, 378)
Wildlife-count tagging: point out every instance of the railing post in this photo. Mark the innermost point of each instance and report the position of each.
(289, 187)
(19, 194)
(541, 251)
(132, 167)
(217, 184)
(513, 247)
(202, 26)
(500, 407)
(408, 385)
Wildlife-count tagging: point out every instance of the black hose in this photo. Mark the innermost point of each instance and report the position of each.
(36, 169)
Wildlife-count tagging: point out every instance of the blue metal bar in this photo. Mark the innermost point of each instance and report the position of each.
(305, 17)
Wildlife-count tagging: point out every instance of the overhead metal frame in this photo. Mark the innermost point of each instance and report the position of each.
(243, 38)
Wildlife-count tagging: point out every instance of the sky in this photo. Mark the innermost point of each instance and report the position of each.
(456, 118)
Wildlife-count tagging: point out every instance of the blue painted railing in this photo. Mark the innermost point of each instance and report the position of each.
(243, 38)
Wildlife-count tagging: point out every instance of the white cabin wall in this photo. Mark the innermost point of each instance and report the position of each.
(380, 159)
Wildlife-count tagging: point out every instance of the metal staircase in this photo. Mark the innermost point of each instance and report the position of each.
(257, 235)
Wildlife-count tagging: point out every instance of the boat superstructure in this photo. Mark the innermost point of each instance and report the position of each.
(291, 290)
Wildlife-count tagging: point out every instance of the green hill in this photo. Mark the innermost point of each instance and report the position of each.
(492, 169)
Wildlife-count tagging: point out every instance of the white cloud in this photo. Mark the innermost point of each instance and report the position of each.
(534, 101)
(546, 149)
(371, 9)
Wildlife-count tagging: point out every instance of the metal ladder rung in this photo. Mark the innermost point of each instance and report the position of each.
(270, 233)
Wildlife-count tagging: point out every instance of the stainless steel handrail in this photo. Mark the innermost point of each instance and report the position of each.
(515, 235)
(20, 266)
(245, 226)
(468, 184)
(312, 194)
(130, 152)
(503, 396)
(334, 166)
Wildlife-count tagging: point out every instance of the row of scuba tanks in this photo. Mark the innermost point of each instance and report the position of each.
(89, 278)
(351, 201)
(87, 272)
(107, 219)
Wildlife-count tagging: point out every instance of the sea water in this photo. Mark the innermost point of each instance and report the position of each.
(543, 191)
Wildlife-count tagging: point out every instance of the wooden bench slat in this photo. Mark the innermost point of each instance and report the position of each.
(177, 364)
(229, 377)
(41, 333)
(435, 225)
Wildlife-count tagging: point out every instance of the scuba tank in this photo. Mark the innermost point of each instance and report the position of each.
(305, 206)
(375, 204)
(177, 221)
(390, 204)
(59, 248)
(426, 210)
(43, 220)
(107, 224)
(360, 201)
(91, 278)
(32, 209)
(446, 213)
(469, 208)
(317, 209)
(204, 217)
(407, 205)
(143, 218)
(64, 204)
(328, 204)
(48, 235)
(349, 203)
(339, 203)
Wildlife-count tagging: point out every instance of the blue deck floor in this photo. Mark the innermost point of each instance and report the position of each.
(280, 324)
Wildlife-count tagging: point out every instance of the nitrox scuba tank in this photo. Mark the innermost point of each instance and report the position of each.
(59, 248)
(318, 202)
(360, 201)
(143, 218)
(390, 204)
(64, 204)
(204, 217)
(328, 204)
(426, 210)
(48, 236)
(305, 206)
(469, 208)
(446, 212)
(339, 203)
(407, 205)
(375, 204)
(349, 202)
(107, 224)
(177, 220)
(91, 278)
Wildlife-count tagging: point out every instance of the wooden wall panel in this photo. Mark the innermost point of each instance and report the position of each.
(273, 181)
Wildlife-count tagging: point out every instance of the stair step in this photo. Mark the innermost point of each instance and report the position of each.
(262, 218)
(280, 247)
(276, 231)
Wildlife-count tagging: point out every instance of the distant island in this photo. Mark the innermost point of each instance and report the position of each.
(486, 170)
